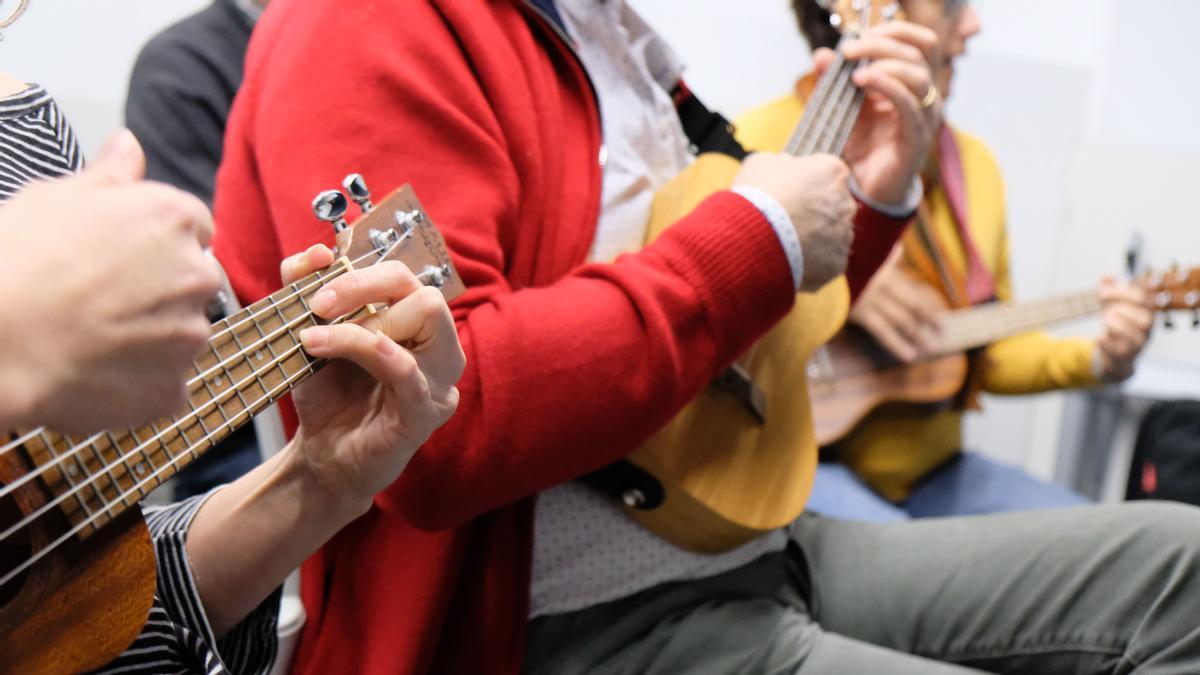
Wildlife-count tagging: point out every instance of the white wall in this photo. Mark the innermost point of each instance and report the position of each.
(1090, 108)
(82, 52)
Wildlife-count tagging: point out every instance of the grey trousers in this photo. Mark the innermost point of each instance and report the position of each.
(1099, 589)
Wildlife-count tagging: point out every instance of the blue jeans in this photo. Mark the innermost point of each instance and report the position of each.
(969, 484)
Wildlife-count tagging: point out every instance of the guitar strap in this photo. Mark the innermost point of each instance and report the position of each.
(926, 254)
(706, 130)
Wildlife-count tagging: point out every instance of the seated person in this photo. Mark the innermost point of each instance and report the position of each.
(180, 92)
(911, 457)
(96, 335)
(537, 133)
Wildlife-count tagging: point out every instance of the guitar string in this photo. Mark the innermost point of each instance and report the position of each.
(817, 103)
(188, 449)
(999, 330)
(73, 452)
(187, 420)
(43, 552)
(201, 377)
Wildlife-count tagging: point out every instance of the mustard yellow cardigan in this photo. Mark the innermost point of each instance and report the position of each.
(893, 449)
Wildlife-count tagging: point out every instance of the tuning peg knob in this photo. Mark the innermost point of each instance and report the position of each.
(331, 206)
(356, 187)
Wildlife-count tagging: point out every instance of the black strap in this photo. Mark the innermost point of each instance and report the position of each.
(707, 130)
(628, 484)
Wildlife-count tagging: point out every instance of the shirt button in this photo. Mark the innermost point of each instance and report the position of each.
(603, 155)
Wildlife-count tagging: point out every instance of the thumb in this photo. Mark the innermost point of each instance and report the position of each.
(121, 161)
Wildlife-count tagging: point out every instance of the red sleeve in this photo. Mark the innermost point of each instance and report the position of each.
(564, 376)
(875, 234)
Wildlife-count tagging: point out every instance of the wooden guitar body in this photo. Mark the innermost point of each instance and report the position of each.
(727, 478)
(77, 565)
(853, 375)
(80, 606)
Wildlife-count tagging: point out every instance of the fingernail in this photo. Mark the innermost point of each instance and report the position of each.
(314, 337)
(323, 300)
(384, 344)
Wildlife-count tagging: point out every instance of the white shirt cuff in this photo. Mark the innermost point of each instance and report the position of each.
(781, 222)
(912, 199)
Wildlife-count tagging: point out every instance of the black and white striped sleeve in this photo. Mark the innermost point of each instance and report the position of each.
(177, 637)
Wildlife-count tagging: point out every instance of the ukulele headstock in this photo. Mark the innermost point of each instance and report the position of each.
(395, 229)
(1175, 289)
(852, 17)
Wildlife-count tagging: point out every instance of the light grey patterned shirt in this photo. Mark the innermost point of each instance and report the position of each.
(586, 550)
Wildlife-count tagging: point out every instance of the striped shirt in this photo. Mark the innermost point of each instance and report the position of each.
(37, 143)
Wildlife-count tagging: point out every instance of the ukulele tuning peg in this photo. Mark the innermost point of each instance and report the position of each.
(1196, 318)
(1167, 322)
(331, 206)
(407, 220)
(356, 187)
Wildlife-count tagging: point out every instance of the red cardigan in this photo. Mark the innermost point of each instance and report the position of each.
(486, 111)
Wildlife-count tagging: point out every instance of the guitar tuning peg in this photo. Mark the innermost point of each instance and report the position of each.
(1167, 322)
(356, 187)
(331, 206)
(1196, 318)
(407, 220)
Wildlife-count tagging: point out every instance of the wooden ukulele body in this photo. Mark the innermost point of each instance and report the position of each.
(80, 606)
(726, 477)
(855, 376)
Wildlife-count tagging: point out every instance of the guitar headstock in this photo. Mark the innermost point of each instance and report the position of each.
(852, 17)
(395, 229)
(1175, 289)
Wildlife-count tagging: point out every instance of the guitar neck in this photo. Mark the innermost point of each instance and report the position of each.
(975, 327)
(254, 357)
(830, 112)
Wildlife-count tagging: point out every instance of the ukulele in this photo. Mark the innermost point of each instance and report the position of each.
(853, 374)
(77, 568)
(738, 461)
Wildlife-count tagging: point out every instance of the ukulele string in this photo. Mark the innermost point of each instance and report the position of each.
(201, 377)
(308, 368)
(41, 553)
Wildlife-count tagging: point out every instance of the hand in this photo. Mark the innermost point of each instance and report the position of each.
(813, 190)
(901, 312)
(104, 291)
(363, 417)
(1128, 317)
(894, 133)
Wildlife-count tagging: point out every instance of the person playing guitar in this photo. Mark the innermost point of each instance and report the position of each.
(541, 132)
(105, 286)
(956, 254)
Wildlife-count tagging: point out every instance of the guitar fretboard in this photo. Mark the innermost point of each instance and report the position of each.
(974, 327)
(253, 358)
(830, 113)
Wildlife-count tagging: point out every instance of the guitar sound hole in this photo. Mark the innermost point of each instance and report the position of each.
(13, 551)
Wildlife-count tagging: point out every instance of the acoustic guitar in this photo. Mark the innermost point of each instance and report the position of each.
(739, 460)
(77, 569)
(853, 374)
